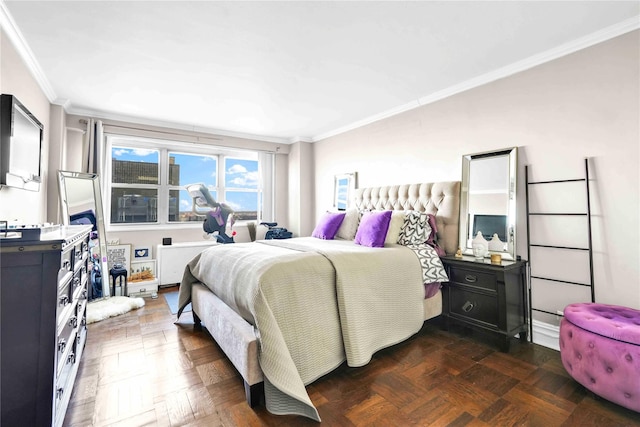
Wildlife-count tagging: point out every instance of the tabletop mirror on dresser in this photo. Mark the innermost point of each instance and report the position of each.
(488, 293)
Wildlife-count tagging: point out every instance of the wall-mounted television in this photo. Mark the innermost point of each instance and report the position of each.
(490, 225)
(21, 136)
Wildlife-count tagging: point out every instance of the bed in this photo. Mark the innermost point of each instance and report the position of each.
(286, 312)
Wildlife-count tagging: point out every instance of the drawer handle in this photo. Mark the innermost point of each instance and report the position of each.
(471, 279)
(73, 321)
(62, 344)
(64, 300)
(59, 393)
(467, 307)
(71, 358)
(66, 264)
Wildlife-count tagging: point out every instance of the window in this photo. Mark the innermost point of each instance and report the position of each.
(134, 185)
(148, 181)
(185, 169)
(241, 187)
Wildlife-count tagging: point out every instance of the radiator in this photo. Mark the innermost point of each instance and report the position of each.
(172, 259)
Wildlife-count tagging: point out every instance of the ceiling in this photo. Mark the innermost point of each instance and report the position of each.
(290, 71)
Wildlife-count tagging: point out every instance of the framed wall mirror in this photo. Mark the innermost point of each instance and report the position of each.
(81, 203)
(488, 200)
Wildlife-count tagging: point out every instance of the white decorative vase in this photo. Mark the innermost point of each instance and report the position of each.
(480, 246)
(495, 244)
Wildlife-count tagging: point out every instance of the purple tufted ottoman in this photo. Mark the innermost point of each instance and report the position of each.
(600, 349)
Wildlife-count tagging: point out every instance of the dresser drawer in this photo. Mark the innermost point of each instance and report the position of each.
(64, 381)
(66, 260)
(473, 278)
(473, 306)
(66, 338)
(79, 284)
(80, 253)
(64, 298)
(81, 313)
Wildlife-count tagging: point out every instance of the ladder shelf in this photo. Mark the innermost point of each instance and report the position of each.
(588, 249)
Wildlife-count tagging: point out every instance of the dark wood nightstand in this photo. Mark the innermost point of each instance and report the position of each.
(487, 297)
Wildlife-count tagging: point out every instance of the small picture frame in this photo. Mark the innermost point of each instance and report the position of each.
(119, 254)
(142, 271)
(141, 253)
(343, 190)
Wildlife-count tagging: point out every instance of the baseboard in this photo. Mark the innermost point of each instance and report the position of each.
(546, 335)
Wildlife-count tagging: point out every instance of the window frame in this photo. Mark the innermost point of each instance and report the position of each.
(164, 147)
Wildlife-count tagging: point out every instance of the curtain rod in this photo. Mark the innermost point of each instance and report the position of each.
(179, 134)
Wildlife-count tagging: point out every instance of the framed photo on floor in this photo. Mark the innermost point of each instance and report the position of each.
(142, 271)
(141, 253)
(118, 254)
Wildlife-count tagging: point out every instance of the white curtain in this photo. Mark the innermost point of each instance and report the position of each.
(93, 153)
(267, 172)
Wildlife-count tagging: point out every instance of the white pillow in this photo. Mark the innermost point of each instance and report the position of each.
(395, 225)
(349, 226)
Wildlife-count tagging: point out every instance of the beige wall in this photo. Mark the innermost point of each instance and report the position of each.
(29, 207)
(301, 189)
(559, 113)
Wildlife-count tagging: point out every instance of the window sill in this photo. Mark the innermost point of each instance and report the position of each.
(153, 227)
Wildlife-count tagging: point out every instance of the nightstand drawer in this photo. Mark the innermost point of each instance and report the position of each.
(473, 306)
(473, 278)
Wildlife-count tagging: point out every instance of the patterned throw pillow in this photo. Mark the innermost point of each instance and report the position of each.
(432, 268)
(416, 228)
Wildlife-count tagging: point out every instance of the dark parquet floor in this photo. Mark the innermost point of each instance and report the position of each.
(143, 369)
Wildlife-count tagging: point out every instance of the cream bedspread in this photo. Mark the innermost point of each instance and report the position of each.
(314, 303)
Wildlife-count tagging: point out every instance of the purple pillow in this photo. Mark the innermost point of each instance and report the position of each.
(328, 225)
(373, 229)
(434, 228)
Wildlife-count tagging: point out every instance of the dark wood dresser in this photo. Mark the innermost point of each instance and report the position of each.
(487, 297)
(43, 294)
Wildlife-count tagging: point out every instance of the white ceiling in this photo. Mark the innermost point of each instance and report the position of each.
(289, 71)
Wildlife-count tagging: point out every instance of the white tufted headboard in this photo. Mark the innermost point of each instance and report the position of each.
(441, 199)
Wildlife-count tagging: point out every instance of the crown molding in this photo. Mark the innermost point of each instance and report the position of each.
(573, 46)
(24, 51)
(296, 139)
(97, 114)
(372, 119)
